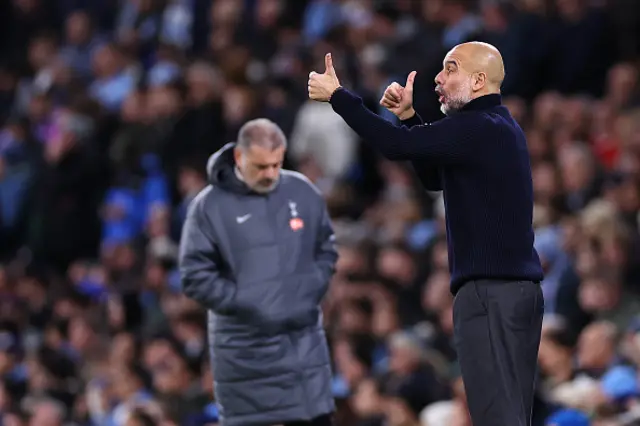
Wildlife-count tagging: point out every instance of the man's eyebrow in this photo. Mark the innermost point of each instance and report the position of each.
(267, 164)
(451, 62)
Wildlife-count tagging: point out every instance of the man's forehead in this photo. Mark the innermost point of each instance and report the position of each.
(454, 56)
(264, 154)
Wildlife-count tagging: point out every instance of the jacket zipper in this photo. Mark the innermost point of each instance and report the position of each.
(291, 336)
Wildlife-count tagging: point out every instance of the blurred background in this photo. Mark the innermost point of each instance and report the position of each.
(110, 108)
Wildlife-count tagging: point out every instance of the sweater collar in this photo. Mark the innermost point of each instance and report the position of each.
(483, 102)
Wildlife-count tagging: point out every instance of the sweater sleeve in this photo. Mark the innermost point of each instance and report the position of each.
(428, 174)
(447, 141)
(415, 120)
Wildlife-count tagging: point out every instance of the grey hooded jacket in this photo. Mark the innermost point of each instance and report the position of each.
(261, 264)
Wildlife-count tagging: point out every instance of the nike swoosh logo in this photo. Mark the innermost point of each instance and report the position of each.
(243, 219)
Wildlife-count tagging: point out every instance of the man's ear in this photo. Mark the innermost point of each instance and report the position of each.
(237, 154)
(479, 81)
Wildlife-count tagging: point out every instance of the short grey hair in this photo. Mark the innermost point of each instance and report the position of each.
(262, 132)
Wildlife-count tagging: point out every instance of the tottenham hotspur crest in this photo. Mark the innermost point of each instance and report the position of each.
(295, 222)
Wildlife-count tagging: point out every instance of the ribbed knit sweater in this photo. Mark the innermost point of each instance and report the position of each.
(478, 157)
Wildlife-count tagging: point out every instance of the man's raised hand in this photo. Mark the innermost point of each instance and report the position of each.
(398, 99)
(322, 86)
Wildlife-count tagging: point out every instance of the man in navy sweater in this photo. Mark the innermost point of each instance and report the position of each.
(478, 156)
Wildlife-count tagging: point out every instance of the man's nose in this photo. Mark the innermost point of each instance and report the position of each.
(272, 172)
(438, 79)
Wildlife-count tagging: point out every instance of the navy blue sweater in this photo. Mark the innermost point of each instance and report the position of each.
(479, 158)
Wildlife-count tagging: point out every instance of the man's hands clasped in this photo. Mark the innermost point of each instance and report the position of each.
(398, 99)
(322, 86)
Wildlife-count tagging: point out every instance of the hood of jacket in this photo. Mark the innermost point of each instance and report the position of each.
(221, 171)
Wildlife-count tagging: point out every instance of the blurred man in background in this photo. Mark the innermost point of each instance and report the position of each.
(257, 251)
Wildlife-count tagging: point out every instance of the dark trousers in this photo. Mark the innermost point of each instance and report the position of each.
(318, 421)
(497, 334)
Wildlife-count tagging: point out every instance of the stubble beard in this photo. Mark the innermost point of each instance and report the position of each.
(454, 102)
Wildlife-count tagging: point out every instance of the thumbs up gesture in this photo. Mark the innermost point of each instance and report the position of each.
(322, 86)
(398, 99)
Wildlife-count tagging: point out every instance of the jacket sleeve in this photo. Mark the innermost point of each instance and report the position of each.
(200, 264)
(452, 140)
(326, 253)
(428, 174)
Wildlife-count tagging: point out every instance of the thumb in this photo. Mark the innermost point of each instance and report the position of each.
(410, 79)
(328, 63)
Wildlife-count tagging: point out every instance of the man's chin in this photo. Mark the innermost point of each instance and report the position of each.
(448, 109)
(263, 189)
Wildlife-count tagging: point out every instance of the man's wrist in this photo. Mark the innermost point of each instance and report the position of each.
(333, 93)
(407, 114)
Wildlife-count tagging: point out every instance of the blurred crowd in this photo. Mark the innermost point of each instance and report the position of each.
(110, 108)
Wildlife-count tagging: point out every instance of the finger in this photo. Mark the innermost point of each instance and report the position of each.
(388, 103)
(389, 93)
(392, 98)
(410, 80)
(328, 63)
(394, 94)
(396, 86)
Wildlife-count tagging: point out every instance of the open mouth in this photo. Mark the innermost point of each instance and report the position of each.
(440, 95)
